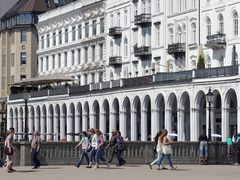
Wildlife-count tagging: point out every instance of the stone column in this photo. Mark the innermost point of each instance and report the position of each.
(70, 128)
(213, 120)
(92, 120)
(103, 124)
(62, 128)
(15, 126)
(43, 128)
(49, 128)
(84, 123)
(155, 123)
(144, 125)
(122, 123)
(180, 125)
(168, 120)
(10, 122)
(238, 118)
(37, 127)
(194, 124)
(225, 123)
(55, 130)
(112, 121)
(77, 127)
(133, 126)
(30, 127)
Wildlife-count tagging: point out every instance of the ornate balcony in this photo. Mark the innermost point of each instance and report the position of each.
(142, 20)
(177, 49)
(143, 51)
(115, 32)
(216, 41)
(115, 61)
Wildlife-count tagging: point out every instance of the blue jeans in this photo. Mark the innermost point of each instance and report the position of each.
(99, 155)
(168, 156)
(203, 149)
(83, 154)
(35, 158)
(92, 154)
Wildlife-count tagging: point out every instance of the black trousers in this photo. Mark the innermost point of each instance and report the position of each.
(35, 158)
(111, 155)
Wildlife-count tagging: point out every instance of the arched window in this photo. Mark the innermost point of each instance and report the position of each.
(194, 33)
(236, 58)
(208, 62)
(183, 33)
(208, 26)
(111, 48)
(125, 47)
(221, 24)
(170, 36)
(235, 23)
(179, 33)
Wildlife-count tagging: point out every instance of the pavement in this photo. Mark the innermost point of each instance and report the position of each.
(129, 172)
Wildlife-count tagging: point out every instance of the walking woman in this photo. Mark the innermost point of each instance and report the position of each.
(100, 148)
(85, 145)
(9, 150)
(120, 149)
(167, 151)
(35, 149)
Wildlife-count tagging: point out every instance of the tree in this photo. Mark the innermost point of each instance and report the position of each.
(200, 64)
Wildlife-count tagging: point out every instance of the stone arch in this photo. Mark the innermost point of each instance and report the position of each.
(105, 121)
(15, 122)
(20, 124)
(38, 119)
(71, 123)
(10, 119)
(31, 124)
(160, 110)
(78, 120)
(146, 118)
(184, 115)
(95, 117)
(50, 123)
(115, 111)
(63, 123)
(57, 123)
(86, 120)
(125, 124)
(216, 114)
(43, 123)
(172, 120)
(136, 119)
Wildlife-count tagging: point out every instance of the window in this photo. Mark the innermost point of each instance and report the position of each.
(135, 8)
(66, 35)
(22, 77)
(170, 36)
(179, 34)
(158, 34)
(60, 37)
(221, 24)
(149, 7)
(23, 37)
(79, 79)
(65, 59)
(208, 64)
(118, 47)
(100, 52)
(54, 39)
(12, 38)
(111, 48)
(48, 41)
(41, 64)
(158, 6)
(47, 63)
(208, 27)
(73, 57)
(125, 18)
(24, 19)
(12, 59)
(118, 19)
(42, 42)
(144, 7)
(87, 29)
(93, 53)
(23, 58)
(94, 27)
(194, 33)
(102, 25)
(74, 33)
(93, 78)
(235, 23)
(59, 60)
(125, 47)
(80, 31)
(53, 61)
(86, 54)
(86, 79)
(111, 20)
(79, 56)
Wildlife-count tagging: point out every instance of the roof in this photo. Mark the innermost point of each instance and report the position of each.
(25, 6)
(44, 80)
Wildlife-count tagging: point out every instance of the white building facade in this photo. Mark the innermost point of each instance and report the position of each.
(135, 65)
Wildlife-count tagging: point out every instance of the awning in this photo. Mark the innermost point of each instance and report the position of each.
(44, 80)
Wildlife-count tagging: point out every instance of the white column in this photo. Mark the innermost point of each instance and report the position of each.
(225, 123)
(213, 121)
(180, 125)
(30, 127)
(144, 125)
(69, 128)
(51, 39)
(103, 124)
(168, 120)
(92, 121)
(37, 127)
(84, 123)
(15, 126)
(155, 122)
(20, 128)
(55, 130)
(77, 127)
(112, 121)
(57, 37)
(49, 128)
(70, 34)
(207, 119)
(238, 118)
(133, 126)
(194, 124)
(62, 128)
(43, 128)
(122, 123)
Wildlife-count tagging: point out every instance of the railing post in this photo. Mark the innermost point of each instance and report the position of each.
(193, 73)
(121, 82)
(90, 87)
(111, 82)
(100, 85)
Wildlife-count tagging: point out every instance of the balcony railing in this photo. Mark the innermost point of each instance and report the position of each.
(138, 81)
(115, 32)
(174, 76)
(143, 51)
(115, 61)
(217, 72)
(216, 41)
(59, 91)
(78, 89)
(142, 20)
(177, 49)
(95, 86)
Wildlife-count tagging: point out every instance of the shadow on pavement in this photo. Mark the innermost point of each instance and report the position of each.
(25, 171)
(50, 167)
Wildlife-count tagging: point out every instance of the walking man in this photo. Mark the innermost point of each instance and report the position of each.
(9, 150)
(112, 146)
(35, 149)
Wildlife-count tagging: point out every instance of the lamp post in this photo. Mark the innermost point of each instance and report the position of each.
(209, 98)
(26, 97)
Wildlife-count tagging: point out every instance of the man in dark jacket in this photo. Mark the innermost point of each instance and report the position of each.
(112, 146)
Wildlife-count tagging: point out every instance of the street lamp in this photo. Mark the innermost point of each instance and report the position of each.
(26, 97)
(209, 98)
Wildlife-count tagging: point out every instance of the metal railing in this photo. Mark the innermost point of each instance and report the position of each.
(138, 81)
(115, 31)
(142, 19)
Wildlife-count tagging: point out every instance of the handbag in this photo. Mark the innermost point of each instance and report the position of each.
(7, 152)
(167, 149)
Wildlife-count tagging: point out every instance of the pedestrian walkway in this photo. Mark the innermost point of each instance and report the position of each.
(184, 172)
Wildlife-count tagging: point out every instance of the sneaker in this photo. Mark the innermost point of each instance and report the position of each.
(95, 167)
(76, 166)
(174, 168)
(159, 168)
(236, 164)
(164, 168)
(88, 166)
(12, 169)
(108, 165)
(150, 166)
(35, 167)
